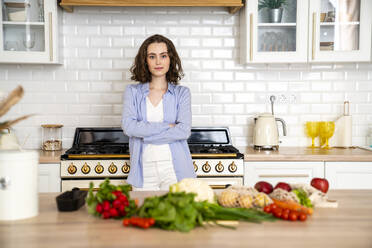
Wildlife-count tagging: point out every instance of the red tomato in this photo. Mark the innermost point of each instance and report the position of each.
(267, 209)
(285, 216)
(126, 222)
(302, 217)
(292, 216)
(277, 212)
(151, 221)
(286, 211)
(273, 206)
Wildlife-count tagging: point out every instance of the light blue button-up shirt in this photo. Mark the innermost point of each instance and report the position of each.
(177, 110)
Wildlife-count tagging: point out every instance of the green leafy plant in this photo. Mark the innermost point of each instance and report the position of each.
(12, 99)
(271, 4)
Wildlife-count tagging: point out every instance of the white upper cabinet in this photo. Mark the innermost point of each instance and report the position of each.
(306, 31)
(340, 30)
(29, 31)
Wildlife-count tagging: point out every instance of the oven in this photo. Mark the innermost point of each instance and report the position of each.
(99, 153)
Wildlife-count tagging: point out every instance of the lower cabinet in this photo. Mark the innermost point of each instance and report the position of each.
(49, 178)
(274, 172)
(349, 175)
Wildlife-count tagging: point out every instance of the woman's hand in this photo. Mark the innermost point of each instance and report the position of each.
(172, 125)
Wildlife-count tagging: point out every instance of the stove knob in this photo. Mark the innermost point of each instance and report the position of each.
(85, 169)
(125, 168)
(99, 168)
(112, 168)
(195, 166)
(219, 167)
(72, 169)
(206, 167)
(232, 167)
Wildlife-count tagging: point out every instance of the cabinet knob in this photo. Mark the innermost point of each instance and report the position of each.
(112, 168)
(232, 167)
(219, 167)
(195, 166)
(71, 169)
(85, 169)
(125, 168)
(99, 168)
(206, 167)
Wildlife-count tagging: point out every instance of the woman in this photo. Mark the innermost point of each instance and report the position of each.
(157, 118)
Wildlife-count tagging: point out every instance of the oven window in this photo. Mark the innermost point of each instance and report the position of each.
(208, 137)
(96, 137)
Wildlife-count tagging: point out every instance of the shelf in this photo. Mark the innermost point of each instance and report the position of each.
(277, 24)
(24, 23)
(233, 5)
(338, 23)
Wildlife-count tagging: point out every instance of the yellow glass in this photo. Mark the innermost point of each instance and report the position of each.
(312, 130)
(326, 130)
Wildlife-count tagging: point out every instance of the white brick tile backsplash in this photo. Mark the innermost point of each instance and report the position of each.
(321, 86)
(234, 87)
(189, 42)
(357, 75)
(222, 53)
(212, 108)
(244, 76)
(223, 98)
(234, 108)
(333, 75)
(244, 97)
(98, 48)
(100, 42)
(223, 75)
(277, 86)
(311, 75)
(333, 97)
(310, 97)
(212, 87)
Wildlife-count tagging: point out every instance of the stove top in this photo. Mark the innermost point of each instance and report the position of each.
(105, 143)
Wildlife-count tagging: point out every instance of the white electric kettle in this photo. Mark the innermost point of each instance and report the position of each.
(265, 135)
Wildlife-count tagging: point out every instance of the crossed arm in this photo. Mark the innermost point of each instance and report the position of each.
(157, 132)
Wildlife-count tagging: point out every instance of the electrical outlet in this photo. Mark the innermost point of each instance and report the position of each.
(284, 98)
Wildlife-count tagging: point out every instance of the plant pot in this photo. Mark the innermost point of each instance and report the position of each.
(275, 15)
(18, 184)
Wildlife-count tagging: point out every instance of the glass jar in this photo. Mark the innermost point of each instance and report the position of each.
(51, 137)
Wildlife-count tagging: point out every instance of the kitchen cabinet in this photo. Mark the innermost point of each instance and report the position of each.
(349, 175)
(308, 31)
(49, 179)
(274, 172)
(29, 32)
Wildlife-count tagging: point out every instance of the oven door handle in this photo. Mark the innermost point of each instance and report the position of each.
(219, 186)
(96, 189)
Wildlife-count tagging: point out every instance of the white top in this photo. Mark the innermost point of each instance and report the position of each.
(155, 152)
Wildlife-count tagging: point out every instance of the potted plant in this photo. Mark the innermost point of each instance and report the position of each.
(274, 7)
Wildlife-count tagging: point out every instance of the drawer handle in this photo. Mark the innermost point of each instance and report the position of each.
(213, 186)
(285, 175)
(250, 37)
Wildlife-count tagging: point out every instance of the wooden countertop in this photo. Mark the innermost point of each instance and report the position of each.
(308, 154)
(50, 157)
(284, 154)
(349, 225)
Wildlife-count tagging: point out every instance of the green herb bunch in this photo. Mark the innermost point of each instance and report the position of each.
(302, 196)
(179, 211)
(271, 4)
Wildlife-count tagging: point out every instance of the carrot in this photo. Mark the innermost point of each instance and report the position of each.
(292, 205)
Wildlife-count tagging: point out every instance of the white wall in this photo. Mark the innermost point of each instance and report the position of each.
(99, 45)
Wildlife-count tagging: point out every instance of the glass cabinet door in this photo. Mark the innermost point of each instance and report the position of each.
(276, 30)
(25, 31)
(338, 30)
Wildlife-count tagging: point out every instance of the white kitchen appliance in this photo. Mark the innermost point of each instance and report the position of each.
(100, 153)
(18, 184)
(265, 134)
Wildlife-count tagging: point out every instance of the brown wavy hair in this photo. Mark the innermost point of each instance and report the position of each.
(140, 71)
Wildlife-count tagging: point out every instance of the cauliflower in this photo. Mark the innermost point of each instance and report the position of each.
(192, 185)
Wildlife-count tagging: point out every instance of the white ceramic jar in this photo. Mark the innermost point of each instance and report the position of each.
(18, 184)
